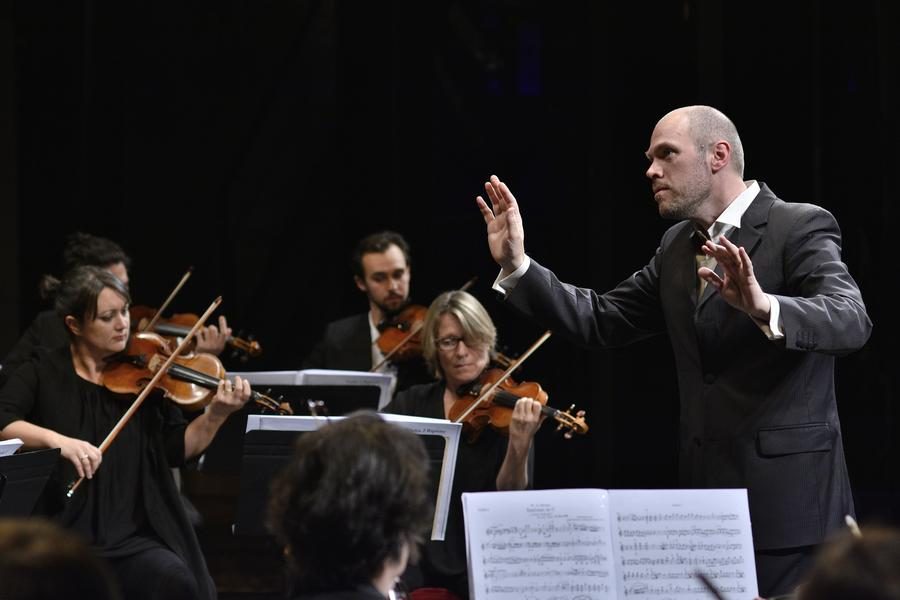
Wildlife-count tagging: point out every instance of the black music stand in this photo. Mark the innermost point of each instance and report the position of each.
(267, 451)
(22, 479)
(224, 453)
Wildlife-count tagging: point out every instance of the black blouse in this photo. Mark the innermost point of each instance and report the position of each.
(132, 502)
(477, 466)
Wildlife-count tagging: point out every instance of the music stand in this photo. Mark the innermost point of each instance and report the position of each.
(269, 444)
(22, 479)
(346, 390)
(224, 453)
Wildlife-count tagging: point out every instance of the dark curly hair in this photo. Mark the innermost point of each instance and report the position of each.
(354, 494)
(86, 249)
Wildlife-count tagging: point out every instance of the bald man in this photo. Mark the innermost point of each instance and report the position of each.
(756, 301)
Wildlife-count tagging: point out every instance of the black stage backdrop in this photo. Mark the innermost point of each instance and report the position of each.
(257, 141)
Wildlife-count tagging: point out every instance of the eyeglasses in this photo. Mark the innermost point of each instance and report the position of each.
(449, 343)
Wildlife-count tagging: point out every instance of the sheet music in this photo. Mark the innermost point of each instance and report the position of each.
(337, 377)
(662, 537)
(382, 381)
(266, 377)
(10, 446)
(540, 545)
(418, 425)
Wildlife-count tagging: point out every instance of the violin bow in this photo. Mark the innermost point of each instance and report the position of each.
(148, 388)
(165, 305)
(512, 367)
(413, 331)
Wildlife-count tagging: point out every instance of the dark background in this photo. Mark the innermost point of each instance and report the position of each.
(257, 141)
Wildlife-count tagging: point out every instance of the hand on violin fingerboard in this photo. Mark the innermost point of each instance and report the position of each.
(230, 396)
(212, 339)
(526, 420)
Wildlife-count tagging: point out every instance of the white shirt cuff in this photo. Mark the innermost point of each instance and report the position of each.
(504, 285)
(772, 329)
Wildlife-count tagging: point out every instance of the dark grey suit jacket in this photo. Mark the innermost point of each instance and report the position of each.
(346, 344)
(755, 413)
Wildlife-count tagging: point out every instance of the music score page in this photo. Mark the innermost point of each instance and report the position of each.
(586, 544)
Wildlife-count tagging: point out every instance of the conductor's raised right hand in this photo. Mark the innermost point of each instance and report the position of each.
(505, 233)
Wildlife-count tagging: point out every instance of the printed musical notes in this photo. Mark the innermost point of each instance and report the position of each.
(539, 545)
(664, 537)
(596, 544)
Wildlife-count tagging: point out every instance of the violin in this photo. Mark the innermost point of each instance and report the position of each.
(495, 409)
(401, 337)
(191, 380)
(179, 324)
(162, 363)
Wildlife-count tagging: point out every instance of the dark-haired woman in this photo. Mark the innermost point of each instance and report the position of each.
(48, 331)
(129, 510)
(351, 508)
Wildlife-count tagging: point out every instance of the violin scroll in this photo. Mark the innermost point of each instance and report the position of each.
(571, 424)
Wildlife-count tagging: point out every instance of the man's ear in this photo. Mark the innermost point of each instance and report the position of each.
(360, 284)
(73, 325)
(720, 156)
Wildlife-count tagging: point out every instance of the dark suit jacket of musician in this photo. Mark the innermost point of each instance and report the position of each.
(347, 344)
(754, 413)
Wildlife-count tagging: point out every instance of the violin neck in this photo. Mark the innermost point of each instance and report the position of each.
(175, 330)
(209, 382)
(193, 376)
(508, 400)
(250, 347)
(172, 330)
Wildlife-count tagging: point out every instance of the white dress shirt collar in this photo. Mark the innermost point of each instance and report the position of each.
(731, 216)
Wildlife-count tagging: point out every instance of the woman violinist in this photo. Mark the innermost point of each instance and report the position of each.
(129, 511)
(458, 342)
(48, 331)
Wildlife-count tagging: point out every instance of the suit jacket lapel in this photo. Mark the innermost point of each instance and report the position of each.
(753, 223)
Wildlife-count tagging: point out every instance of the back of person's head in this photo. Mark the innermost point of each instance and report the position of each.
(40, 561)
(84, 249)
(376, 243)
(353, 498)
(856, 568)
